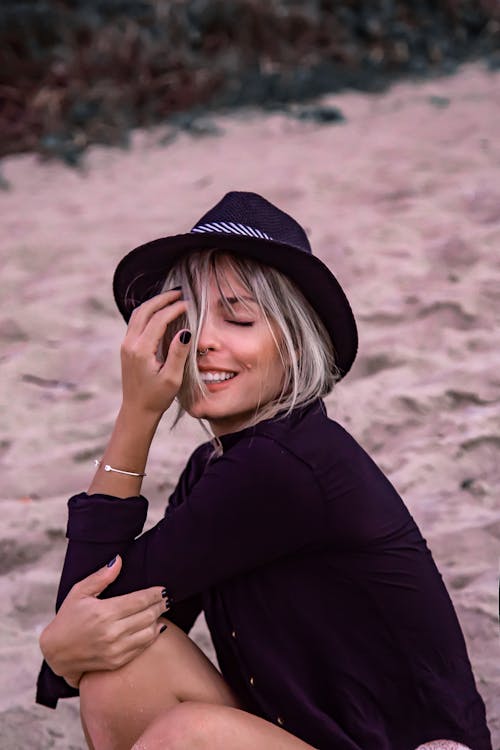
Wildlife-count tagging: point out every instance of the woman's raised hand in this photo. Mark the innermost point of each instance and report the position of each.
(90, 634)
(149, 385)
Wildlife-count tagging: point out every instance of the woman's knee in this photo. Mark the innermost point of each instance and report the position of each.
(97, 689)
(187, 725)
(101, 708)
(98, 709)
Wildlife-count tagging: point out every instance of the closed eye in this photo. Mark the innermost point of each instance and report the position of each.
(239, 323)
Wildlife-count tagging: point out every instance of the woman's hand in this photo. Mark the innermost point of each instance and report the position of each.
(149, 385)
(90, 634)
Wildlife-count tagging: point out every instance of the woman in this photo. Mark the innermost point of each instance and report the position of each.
(331, 623)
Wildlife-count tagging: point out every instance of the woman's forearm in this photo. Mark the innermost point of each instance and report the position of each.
(128, 449)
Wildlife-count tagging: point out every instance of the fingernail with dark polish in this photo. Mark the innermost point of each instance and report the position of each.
(163, 628)
(164, 593)
(111, 562)
(175, 288)
(167, 604)
(185, 337)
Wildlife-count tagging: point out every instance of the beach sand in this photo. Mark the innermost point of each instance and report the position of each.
(402, 200)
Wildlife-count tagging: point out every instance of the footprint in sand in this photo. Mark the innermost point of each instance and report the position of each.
(21, 728)
(483, 205)
(14, 554)
(480, 466)
(33, 604)
(372, 364)
(452, 252)
(448, 314)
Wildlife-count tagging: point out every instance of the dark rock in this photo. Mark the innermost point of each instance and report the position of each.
(193, 123)
(4, 183)
(493, 62)
(441, 102)
(321, 114)
(62, 147)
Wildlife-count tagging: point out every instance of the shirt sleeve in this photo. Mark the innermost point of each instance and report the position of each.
(256, 503)
(84, 558)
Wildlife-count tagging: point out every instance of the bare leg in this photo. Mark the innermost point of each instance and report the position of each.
(117, 706)
(90, 744)
(206, 726)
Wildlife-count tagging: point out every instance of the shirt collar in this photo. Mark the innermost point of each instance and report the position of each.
(278, 423)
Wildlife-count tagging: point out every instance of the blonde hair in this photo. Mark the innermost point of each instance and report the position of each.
(303, 343)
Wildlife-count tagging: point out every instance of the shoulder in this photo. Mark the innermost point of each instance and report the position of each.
(316, 439)
(327, 451)
(260, 478)
(262, 450)
(201, 455)
(265, 463)
(191, 474)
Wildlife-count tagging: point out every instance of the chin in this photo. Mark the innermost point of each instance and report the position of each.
(205, 411)
(221, 419)
(215, 415)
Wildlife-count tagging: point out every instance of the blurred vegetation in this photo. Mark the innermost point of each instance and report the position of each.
(75, 72)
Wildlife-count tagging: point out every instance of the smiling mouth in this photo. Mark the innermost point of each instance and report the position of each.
(215, 378)
(216, 384)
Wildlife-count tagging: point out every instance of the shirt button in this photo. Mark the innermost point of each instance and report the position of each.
(234, 633)
(280, 720)
(251, 680)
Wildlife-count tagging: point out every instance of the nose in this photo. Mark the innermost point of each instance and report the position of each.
(209, 339)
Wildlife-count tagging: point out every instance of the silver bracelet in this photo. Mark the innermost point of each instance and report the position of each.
(107, 467)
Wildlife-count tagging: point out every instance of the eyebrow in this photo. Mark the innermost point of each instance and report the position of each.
(236, 301)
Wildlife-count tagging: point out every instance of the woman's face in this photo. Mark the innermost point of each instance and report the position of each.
(241, 345)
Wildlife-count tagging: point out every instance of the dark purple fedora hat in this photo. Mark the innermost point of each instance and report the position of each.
(245, 224)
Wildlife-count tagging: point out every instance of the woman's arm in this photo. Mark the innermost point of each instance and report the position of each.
(83, 637)
(255, 504)
(149, 387)
(118, 629)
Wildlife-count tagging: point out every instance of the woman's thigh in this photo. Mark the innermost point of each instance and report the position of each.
(116, 706)
(203, 726)
(174, 665)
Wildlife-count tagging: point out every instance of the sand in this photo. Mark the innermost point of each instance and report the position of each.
(402, 201)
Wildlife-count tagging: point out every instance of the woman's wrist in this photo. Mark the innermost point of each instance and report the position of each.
(53, 649)
(127, 450)
(133, 417)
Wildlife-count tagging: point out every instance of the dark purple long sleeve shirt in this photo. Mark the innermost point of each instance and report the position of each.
(326, 610)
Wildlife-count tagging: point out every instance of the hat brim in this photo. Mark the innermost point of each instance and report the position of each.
(132, 284)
